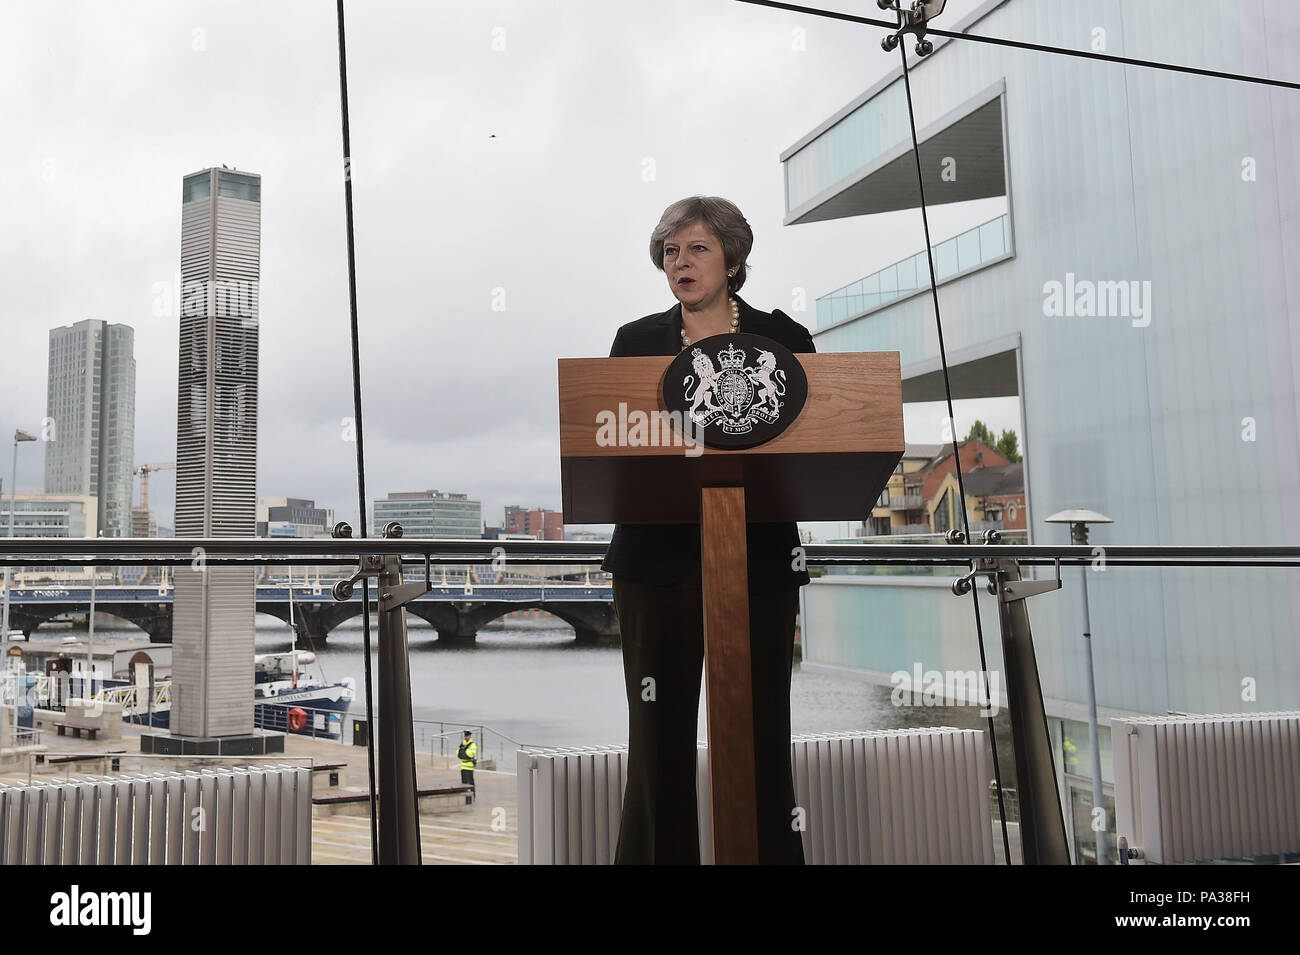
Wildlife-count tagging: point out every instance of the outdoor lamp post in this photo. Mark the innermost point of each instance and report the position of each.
(1079, 520)
(86, 683)
(4, 615)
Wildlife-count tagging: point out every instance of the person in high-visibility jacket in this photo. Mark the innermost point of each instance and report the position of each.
(468, 754)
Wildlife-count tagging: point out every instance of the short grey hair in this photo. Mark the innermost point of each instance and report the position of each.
(720, 217)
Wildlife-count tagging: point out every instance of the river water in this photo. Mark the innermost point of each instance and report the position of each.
(531, 683)
(537, 686)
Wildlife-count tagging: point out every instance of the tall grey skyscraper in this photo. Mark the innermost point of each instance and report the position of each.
(90, 426)
(216, 449)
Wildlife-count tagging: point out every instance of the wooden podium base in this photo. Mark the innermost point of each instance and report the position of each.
(728, 678)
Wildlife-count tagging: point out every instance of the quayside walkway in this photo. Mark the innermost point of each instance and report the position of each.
(484, 833)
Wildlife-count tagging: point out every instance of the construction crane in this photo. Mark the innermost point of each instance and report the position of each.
(144, 470)
(142, 523)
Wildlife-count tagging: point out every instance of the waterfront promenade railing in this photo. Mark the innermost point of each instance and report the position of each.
(441, 738)
(202, 552)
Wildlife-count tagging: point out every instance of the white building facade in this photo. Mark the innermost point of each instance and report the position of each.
(1137, 292)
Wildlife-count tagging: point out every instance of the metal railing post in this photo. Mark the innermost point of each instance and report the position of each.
(399, 818)
(1042, 825)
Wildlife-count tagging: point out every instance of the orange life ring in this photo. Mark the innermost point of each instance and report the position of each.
(297, 719)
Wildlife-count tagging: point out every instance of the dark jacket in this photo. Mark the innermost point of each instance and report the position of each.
(665, 553)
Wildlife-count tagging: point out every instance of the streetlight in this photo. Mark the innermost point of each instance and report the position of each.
(86, 688)
(4, 616)
(1079, 519)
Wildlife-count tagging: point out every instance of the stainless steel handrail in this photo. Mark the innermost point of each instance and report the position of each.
(30, 551)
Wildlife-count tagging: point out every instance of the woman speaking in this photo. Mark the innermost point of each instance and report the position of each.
(701, 244)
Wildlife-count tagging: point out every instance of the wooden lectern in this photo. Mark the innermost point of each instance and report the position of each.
(829, 464)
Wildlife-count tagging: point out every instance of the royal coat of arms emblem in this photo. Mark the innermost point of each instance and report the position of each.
(738, 389)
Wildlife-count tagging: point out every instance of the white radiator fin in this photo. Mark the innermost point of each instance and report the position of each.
(884, 797)
(895, 797)
(255, 815)
(1205, 787)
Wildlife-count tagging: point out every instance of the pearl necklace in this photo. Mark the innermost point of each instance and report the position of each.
(735, 321)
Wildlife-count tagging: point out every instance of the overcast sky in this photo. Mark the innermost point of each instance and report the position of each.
(528, 147)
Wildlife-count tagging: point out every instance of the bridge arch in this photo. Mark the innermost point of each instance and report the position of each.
(591, 622)
(29, 617)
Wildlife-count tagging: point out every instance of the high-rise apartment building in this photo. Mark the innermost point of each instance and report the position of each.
(90, 418)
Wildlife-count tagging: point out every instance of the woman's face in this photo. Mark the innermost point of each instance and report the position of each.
(695, 266)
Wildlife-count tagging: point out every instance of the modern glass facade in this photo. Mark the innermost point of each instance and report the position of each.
(849, 146)
(970, 250)
(89, 431)
(1152, 315)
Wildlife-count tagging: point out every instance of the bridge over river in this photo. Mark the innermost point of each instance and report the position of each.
(456, 611)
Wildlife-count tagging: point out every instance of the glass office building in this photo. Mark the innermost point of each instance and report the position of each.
(1134, 290)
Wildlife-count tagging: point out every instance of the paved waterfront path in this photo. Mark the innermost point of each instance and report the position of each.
(485, 833)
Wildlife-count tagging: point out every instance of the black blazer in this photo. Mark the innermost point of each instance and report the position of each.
(665, 553)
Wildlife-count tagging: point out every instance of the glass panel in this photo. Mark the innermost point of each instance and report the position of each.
(849, 145)
(823, 312)
(889, 280)
(1076, 744)
(871, 289)
(234, 186)
(922, 266)
(907, 275)
(968, 250)
(945, 260)
(1085, 838)
(992, 245)
(196, 187)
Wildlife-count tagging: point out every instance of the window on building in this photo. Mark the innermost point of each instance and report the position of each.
(943, 514)
(234, 186)
(196, 187)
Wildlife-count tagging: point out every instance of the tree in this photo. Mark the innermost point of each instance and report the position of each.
(1009, 446)
(981, 431)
